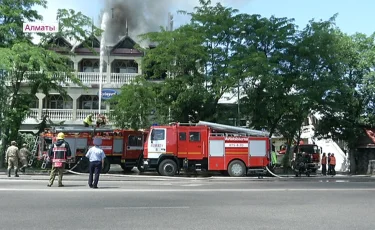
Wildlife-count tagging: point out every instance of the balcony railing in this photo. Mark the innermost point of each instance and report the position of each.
(89, 78)
(66, 115)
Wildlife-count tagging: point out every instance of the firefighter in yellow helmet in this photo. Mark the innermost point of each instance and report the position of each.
(87, 122)
(59, 153)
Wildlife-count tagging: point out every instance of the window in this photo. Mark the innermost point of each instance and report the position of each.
(195, 136)
(158, 135)
(34, 104)
(183, 136)
(58, 102)
(135, 141)
(124, 66)
(90, 102)
(92, 65)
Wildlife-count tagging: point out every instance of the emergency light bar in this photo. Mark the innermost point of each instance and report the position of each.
(234, 129)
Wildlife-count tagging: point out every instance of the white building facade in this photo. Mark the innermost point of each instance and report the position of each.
(122, 63)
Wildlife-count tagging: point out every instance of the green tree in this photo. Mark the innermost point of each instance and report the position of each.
(41, 68)
(135, 107)
(266, 60)
(12, 16)
(196, 57)
(350, 106)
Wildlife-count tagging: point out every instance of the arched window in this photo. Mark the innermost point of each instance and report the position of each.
(59, 102)
(92, 65)
(34, 104)
(124, 66)
(90, 102)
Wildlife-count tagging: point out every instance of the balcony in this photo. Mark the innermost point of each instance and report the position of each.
(67, 115)
(115, 80)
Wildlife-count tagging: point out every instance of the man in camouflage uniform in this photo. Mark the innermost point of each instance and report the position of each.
(11, 157)
(24, 153)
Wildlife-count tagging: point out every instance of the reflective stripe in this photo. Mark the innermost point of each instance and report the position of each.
(59, 149)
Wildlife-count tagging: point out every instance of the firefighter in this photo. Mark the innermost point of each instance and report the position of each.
(273, 156)
(332, 164)
(329, 165)
(324, 164)
(24, 153)
(59, 152)
(101, 120)
(96, 157)
(87, 122)
(12, 156)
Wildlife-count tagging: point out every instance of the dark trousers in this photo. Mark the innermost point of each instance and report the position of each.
(95, 167)
(324, 169)
(332, 170)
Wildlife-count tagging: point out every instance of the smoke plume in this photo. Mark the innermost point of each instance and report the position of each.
(142, 16)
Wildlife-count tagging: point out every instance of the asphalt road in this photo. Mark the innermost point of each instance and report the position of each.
(188, 203)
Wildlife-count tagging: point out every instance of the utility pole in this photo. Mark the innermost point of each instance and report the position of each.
(170, 28)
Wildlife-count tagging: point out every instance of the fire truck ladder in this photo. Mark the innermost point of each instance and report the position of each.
(233, 129)
(72, 129)
(34, 150)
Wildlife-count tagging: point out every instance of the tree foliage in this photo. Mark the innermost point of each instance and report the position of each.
(23, 63)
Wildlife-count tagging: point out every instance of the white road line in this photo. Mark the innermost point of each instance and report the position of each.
(117, 208)
(180, 190)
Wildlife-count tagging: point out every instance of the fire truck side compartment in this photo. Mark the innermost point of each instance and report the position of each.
(216, 153)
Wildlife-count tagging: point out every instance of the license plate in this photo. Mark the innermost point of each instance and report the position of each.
(58, 164)
(122, 161)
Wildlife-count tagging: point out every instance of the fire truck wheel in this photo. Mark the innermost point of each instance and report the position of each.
(167, 167)
(236, 168)
(84, 165)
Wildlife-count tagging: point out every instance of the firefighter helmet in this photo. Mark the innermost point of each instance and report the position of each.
(60, 136)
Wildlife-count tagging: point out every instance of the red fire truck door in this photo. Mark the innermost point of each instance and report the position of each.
(258, 151)
(216, 153)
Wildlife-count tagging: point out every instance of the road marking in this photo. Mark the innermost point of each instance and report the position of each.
(117, 208)
(191, 185)
(180, 190)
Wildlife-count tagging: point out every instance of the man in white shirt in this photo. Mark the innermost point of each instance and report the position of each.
(96, 157)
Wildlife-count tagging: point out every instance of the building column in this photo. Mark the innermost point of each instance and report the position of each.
(74, 98)
(109, 71)
(40, 96)
(139, 62)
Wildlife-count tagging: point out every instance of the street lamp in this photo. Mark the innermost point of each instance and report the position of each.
(238, 90)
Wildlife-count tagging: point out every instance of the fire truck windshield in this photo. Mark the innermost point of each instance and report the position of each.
(157, 135)
(310, 149)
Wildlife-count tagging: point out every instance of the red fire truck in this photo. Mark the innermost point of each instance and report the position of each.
(313, 150)
(123, 147)
(206, 146)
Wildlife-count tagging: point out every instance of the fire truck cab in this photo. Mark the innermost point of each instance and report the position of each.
(123, 147)
(206, 146)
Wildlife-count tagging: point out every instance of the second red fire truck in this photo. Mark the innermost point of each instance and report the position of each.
(206, 146)
(123, 147)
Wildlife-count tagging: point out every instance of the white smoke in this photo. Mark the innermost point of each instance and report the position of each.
(102, 54)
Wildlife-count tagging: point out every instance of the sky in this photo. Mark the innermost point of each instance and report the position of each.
(353, 16)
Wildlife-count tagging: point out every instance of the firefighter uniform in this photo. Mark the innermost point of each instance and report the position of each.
(332, 164)
(88, 121)
(24, 153)
(324, 164)
(59, 152)
(101, 120)
(11, 157)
